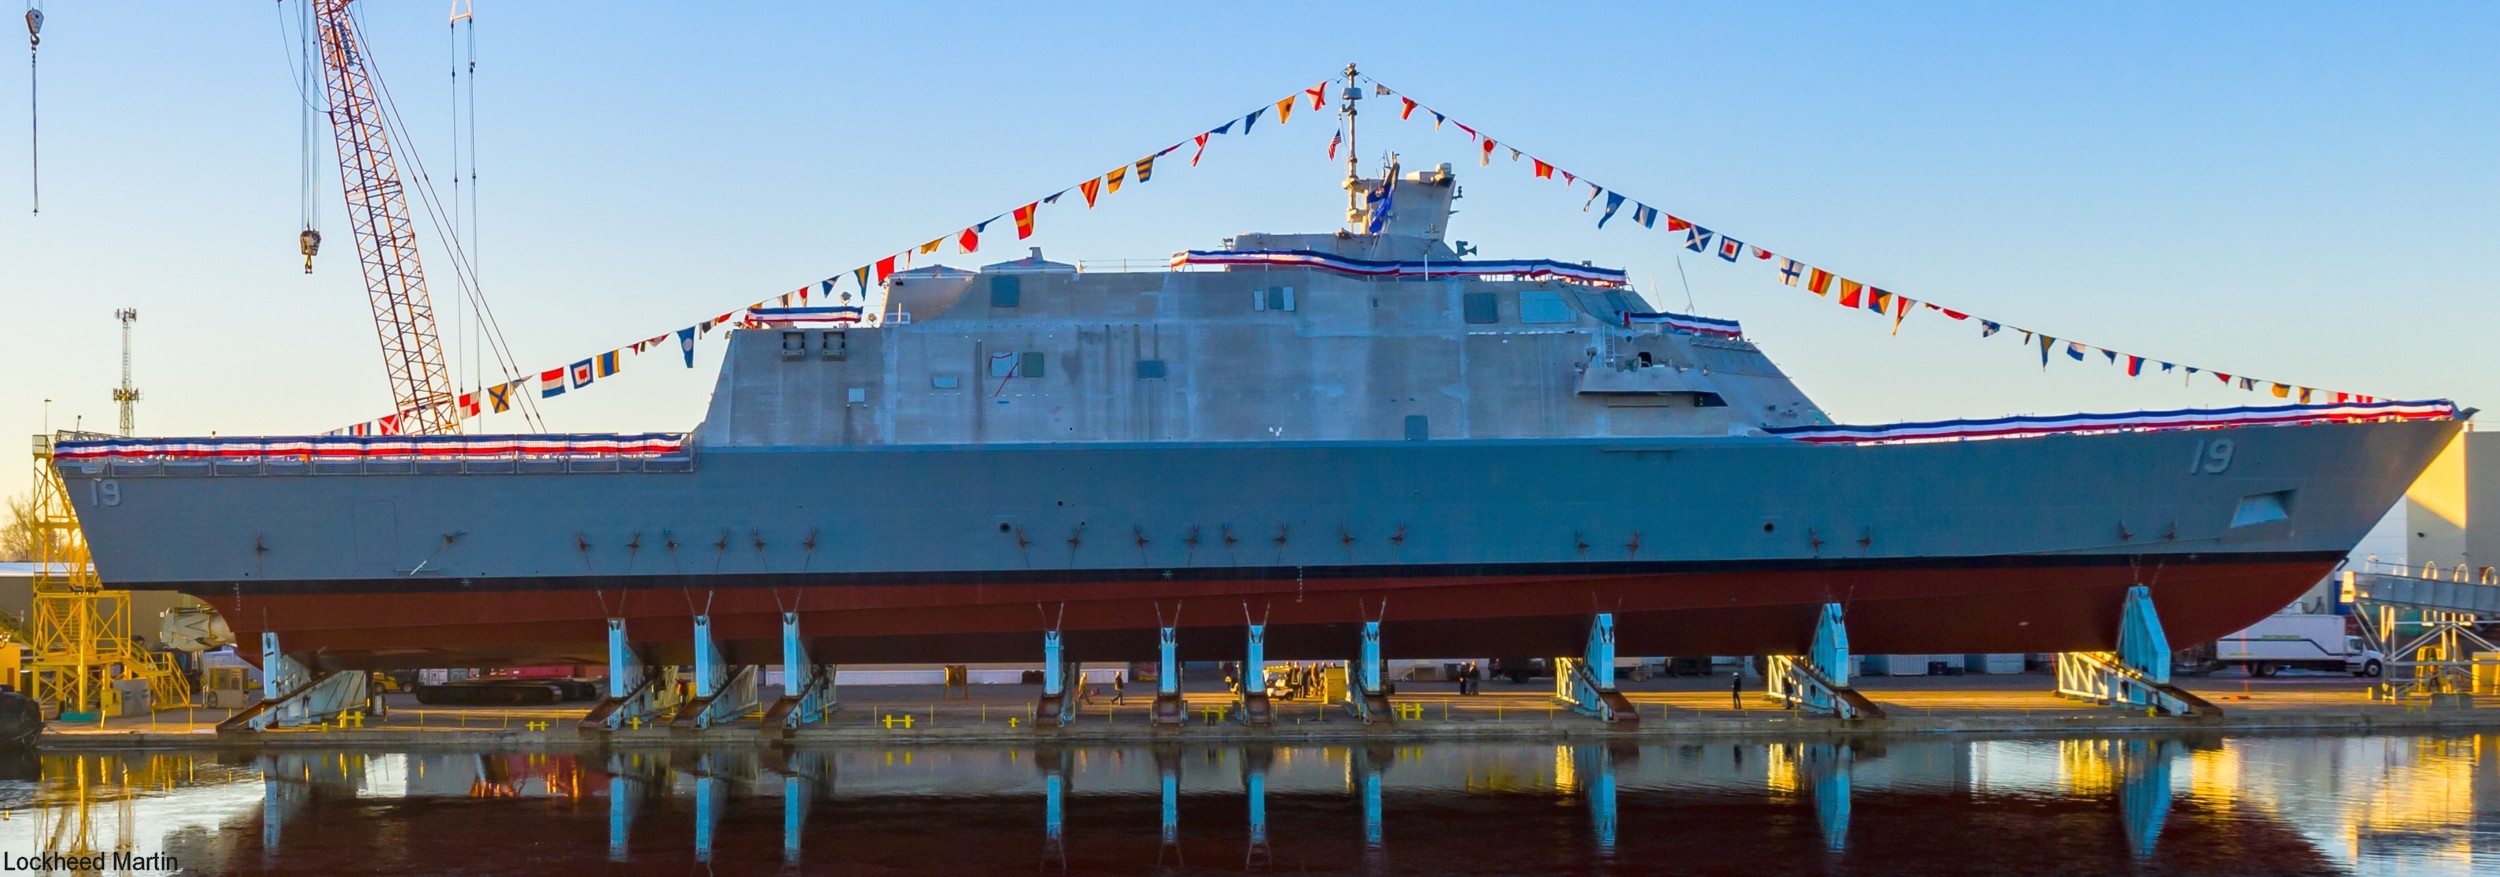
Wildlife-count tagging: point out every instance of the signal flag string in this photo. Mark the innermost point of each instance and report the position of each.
(1822, 282)
(864, 281)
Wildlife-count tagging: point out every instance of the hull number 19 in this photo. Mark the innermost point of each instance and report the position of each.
(2213, 457)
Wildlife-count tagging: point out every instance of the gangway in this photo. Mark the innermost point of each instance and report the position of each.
(2424, 620)
(2428, 588)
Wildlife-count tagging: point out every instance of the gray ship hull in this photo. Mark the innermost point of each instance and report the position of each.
(1700, 545)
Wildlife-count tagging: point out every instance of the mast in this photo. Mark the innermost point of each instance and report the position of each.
(126, 396)
(1353, 176)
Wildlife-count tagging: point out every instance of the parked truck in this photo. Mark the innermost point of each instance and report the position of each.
(2288, 641)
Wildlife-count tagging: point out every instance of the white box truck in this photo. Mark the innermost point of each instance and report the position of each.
(2294, 641)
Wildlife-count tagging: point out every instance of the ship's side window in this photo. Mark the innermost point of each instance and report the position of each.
(945, 382)
(1002, 364)
(1273, 298)
(1543, 307)
(1482, 307)
(1006, 291)
(1151, 368)
(1031, 366)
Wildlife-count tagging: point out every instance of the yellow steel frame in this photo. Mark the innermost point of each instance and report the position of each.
(81, 631)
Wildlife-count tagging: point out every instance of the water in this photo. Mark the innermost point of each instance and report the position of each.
(2140, 805)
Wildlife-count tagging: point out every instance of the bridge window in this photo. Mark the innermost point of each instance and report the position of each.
(794, 345)
(1006, 291)
(1543, 307)
(1482, 307)
(1273, 298)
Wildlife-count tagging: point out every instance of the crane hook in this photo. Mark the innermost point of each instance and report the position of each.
(310, 243)
(34, 112)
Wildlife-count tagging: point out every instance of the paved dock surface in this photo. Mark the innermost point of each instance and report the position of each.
(1700, 706)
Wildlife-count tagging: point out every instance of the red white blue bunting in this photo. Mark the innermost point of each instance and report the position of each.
(1711, 326)
(1539, 269)
(649, 444)
(837, 315)
(2141, 421)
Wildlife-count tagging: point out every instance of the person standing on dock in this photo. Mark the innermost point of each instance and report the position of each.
(1736, 688)
(1119, 686)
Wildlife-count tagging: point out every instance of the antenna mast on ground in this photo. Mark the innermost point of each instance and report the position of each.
(126, 395)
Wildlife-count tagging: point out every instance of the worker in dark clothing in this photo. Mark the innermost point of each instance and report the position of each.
(1736, 688)
(1119, 687)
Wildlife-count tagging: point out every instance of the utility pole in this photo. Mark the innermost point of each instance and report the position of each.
(126, 395)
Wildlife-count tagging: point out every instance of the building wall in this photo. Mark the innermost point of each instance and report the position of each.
(2436, 509)
(2482, 491)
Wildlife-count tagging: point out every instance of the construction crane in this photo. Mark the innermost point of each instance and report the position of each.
(377, 211)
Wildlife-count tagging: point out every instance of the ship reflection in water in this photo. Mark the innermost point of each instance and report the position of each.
(2134, 805)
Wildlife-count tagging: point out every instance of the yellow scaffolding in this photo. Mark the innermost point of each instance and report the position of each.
(80, 631)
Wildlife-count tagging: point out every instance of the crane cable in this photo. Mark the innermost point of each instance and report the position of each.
(34, 116)
(309, 189)
(464, 272)
(464, 318)
(474, 235)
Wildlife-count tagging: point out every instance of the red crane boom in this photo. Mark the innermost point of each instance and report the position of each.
(377, 209)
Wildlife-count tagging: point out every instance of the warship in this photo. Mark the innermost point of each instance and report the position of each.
(1309, 431)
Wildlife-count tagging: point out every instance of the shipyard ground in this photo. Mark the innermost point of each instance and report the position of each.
(1998, 705)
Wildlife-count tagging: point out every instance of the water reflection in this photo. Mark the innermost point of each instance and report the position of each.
(2082, 805)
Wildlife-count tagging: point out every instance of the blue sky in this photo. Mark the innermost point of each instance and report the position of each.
(2298, 191)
